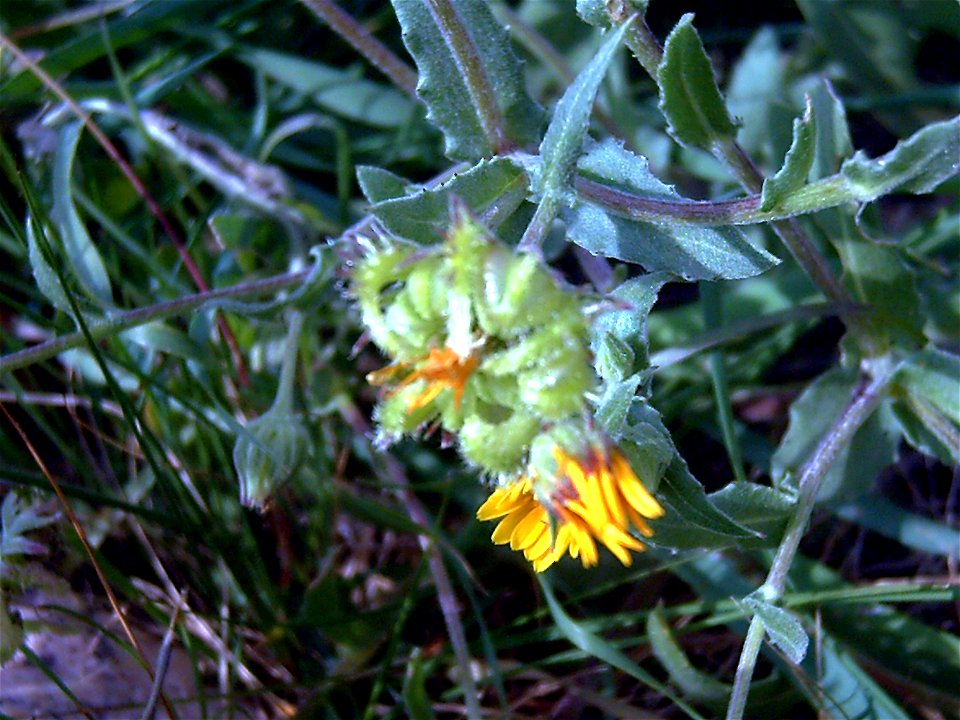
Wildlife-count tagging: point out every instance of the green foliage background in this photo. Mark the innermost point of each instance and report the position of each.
(785, 185)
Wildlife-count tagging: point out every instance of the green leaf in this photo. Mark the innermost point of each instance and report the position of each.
(916, 165)
(564, 139)
(689, 97)
(614, 359)
(797, 163)
(414, 691)
(141, 23)
(618, 336)
(599, 648)
(696, 684)
(43, 273)
(842, 689)
(934, 375)
(693, 252)
(854, 471)
(783, 629)
(882, 282)
(424, 214)
(756, 84)
(908, 528)
(833, 135)
(903, 646)
(763, 509)
(614, 405)
(691, 521)
(327, 606)
(334, 89)
(443, 89)
(81, 254)
(830, 676)
(927, 430)
(378, 184)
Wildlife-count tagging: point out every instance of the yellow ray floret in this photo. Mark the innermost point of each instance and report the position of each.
(597, 497)
(441, 369)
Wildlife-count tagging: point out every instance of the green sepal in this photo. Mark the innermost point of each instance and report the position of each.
(267, 453)
(498, 447)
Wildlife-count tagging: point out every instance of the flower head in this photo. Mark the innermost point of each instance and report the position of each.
(591, 495)
(440, 370)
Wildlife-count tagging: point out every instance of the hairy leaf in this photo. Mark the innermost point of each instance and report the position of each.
(442, 86)
(423, 214)
(694, 252)
(689, 97)
(783, 629)
(562, 144)
(916, 165)
(797, 163)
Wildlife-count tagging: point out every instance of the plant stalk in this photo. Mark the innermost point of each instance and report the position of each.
(109, 327)
(864, 401)
(649, 53)
(288, 370)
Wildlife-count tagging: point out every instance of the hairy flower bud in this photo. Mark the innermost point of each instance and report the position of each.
(483, 341)
(267, 454)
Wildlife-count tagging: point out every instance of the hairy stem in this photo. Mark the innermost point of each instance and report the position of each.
(865, 399)
(649, 53)
(288, 370)
(123, 321)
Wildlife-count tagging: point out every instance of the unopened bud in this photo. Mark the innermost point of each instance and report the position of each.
(267, 454)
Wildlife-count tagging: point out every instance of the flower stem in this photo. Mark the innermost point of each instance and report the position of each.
(132, 318)
(865, 399)
(649, 53)
(288, 370)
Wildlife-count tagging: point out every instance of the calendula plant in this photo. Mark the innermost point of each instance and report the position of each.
(587, 332)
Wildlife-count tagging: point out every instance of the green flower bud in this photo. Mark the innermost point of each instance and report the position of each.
(498, 447)
(267, 454)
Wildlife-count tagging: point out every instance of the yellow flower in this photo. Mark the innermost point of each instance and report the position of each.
(594, 497)
(441, 369)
